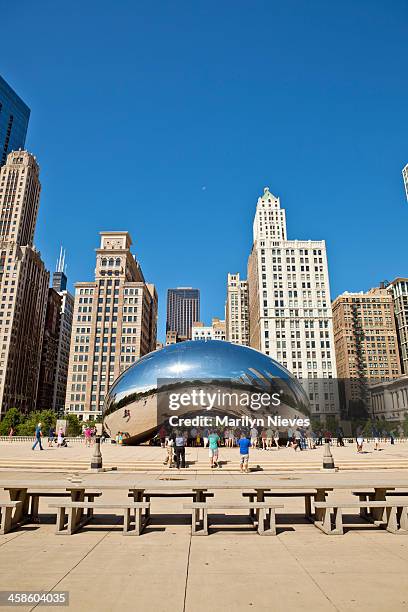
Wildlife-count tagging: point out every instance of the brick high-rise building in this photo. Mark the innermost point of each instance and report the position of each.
(236, 310)
(290, 315)
(366, 341)
(114, 323)
(23, 283)
(183, 309)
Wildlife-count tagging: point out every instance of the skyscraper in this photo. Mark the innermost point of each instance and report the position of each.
(183, 309)
(23, 283)
(56, 342)
(45, 396)
(365, 340)
(398, 289)
(290, 315)
(14, 116)
(114, 324)
(405, 177)
(236, 310)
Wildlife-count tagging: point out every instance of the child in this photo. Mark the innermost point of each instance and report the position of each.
(244, 445)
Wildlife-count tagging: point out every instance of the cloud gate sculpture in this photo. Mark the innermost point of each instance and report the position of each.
(203, 384)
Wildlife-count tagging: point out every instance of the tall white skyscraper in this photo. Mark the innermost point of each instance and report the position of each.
(290, 314)
(236, 310)
(405, 177)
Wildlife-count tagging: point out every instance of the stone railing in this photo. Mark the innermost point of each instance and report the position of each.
(79, 439)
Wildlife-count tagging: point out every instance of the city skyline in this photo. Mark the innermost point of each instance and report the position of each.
(332, 148)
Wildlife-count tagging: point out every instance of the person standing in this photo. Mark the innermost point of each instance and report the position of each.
(38, 436)
(162, 436)
(60, 437)
(276, 438)
(180, 450)
(205, 437)
(254, 437)
(11, 434)
(263, 439)
(244, 445)
(213, 440)
(169, 444)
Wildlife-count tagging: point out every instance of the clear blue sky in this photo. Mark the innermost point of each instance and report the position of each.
(137, 106)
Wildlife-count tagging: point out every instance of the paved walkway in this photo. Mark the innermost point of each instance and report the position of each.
(232, 569)
(77, 457)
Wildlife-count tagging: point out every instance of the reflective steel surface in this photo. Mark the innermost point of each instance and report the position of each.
(132, 402)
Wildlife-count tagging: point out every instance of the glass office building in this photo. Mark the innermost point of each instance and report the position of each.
(183, 309)
(14, 116)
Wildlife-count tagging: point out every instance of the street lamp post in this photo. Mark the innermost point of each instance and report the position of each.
(328, 461)
(96, 461)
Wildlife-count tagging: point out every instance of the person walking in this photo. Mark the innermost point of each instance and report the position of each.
(254, 437)
(180, 450)
(205, 437)
(276, 436)
(11, 434)
(360, 442)
(340, 437)
(269, 438)
(244, 443)
(60, 438)
(263, 439)
(290, 438)
(213, 440)
(298, 440)
(38, 436)
(51, 436)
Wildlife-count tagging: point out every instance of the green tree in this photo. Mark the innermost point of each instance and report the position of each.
(74, 425)
(47, 418)
(12, 418)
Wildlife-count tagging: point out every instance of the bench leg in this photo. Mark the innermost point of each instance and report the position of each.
(392, 522)
(139, 523)
(267, 521)
(404, 519)
(6, 520)
(205, 521)
(261, 520)
(60, 521)
(338, 520)
(21, 513)
(326, 524)
(252, 514)
(89, 511)
(363, 511)
(35, 504)
(308, 506)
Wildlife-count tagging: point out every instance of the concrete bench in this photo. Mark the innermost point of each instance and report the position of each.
(35, 496)
(76, 520)
(370, 496)
(307, 494)
(6, 515)
(265, 511)
(146, 496)
(395, 515)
